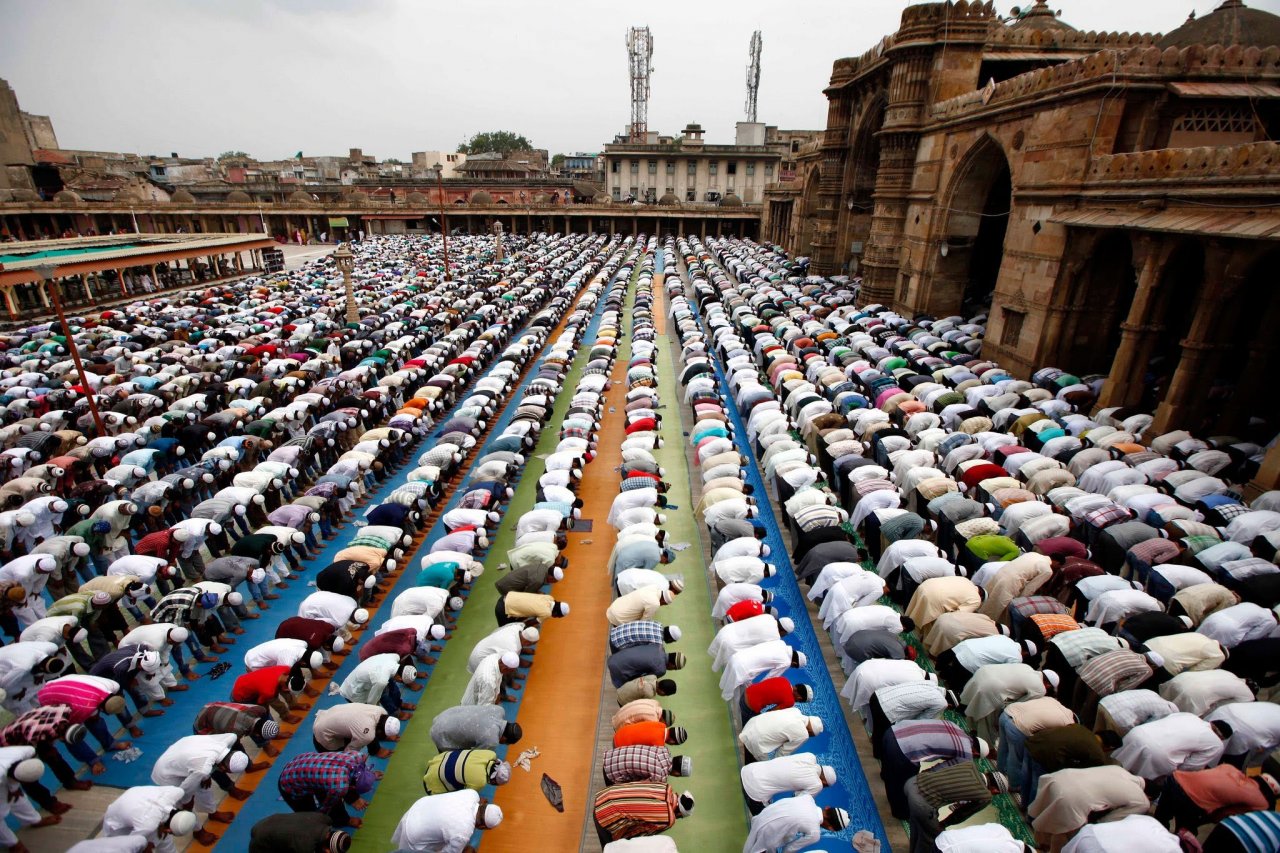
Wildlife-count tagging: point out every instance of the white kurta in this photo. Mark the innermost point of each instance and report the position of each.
(799, 773)
(788, 825)
(366, 682)
(1177, 742)
(504, 639)
(443, 823)
(742, 635)
(189, 761)
(420, 600)
(771, 658)
(485, 685)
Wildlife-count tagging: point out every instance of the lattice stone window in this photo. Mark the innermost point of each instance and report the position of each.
(1012, 327)
(1215, 120)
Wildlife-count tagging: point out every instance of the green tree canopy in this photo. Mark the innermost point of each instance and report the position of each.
(502, 141)
(234, 155)
(557, 161)
(394, 161)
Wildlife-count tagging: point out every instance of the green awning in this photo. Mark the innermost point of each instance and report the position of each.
(338, 222)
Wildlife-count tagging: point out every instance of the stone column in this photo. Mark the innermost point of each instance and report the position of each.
(1140, 329)
(1268, 476)
(9, 303)
(1214, 312)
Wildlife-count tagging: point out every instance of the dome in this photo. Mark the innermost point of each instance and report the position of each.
(127, 194)
(355, 197)
(68, 197)
(1231, 23)
(1040, 17)
(416, 198)
(299, 197)
(730, 200)
(24, 194)
(481, 197)
(182, 197)
(541, 198)
(668, 198)
(601, 198)
(239, 197)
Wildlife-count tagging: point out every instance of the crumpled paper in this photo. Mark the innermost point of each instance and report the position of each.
(525, 759)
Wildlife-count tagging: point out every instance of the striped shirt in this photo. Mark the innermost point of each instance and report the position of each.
(913, 700)
(635, 809)
(958, 782)
(1114, 671)
(1130, 708)
(456, 769)
(637, 764)
(644, 632)
(1082, 644)
(921, 740)
(218, 718)
(1107, 516)
(176, 607)
(1154, 551)
(1257, 832)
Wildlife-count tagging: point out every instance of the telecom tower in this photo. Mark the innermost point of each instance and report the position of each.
(640, 52)
(753, 76)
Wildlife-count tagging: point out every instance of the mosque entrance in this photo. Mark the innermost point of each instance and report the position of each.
(971, 249)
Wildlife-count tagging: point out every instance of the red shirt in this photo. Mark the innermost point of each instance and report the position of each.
(400, 642)
(745, 609)
(260, 686)
(776, 691)
(314, 632)
(645, 733)
(642, 425)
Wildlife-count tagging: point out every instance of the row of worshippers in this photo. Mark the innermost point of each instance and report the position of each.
(783, 781)
(279, 669)
(467, 737)
(1100, 696)
(637, 802)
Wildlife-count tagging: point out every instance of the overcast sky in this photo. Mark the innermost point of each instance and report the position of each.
(394, 76)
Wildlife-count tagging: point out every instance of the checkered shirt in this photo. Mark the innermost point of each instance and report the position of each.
(644, 632)
(637, 764)
(324, 775)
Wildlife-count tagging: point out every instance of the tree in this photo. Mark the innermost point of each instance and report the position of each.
(557, 161)
(503, 142)
(234, 155)
(394, 161)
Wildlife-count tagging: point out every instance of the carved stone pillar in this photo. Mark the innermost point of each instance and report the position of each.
(1139, 331)
(1214, 311)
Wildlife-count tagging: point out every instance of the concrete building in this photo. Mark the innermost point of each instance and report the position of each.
(581, 166)
(1109, 198)
(424, 164)
(685, 169)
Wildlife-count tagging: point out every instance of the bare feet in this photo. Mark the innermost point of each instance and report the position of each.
(205, 837)
(60, 807)
(221, 817)
(355, 823)
(47, 820)
(179, 688)
(192, 676)
(292, 718)
(152, 712)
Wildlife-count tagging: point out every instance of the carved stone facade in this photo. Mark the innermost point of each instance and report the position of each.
(1108, 198)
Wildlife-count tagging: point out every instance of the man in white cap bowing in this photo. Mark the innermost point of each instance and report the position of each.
(798, 773)
(769, 658)
(19, 765)
(373, 681)
(735, 636)
(354, 726)
(490, 678)
(515, 637)
(792, 824)
(444, 823)
(194, 763)
(154, 812)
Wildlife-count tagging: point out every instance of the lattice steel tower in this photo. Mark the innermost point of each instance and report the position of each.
(639, 52)
(753, 76)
